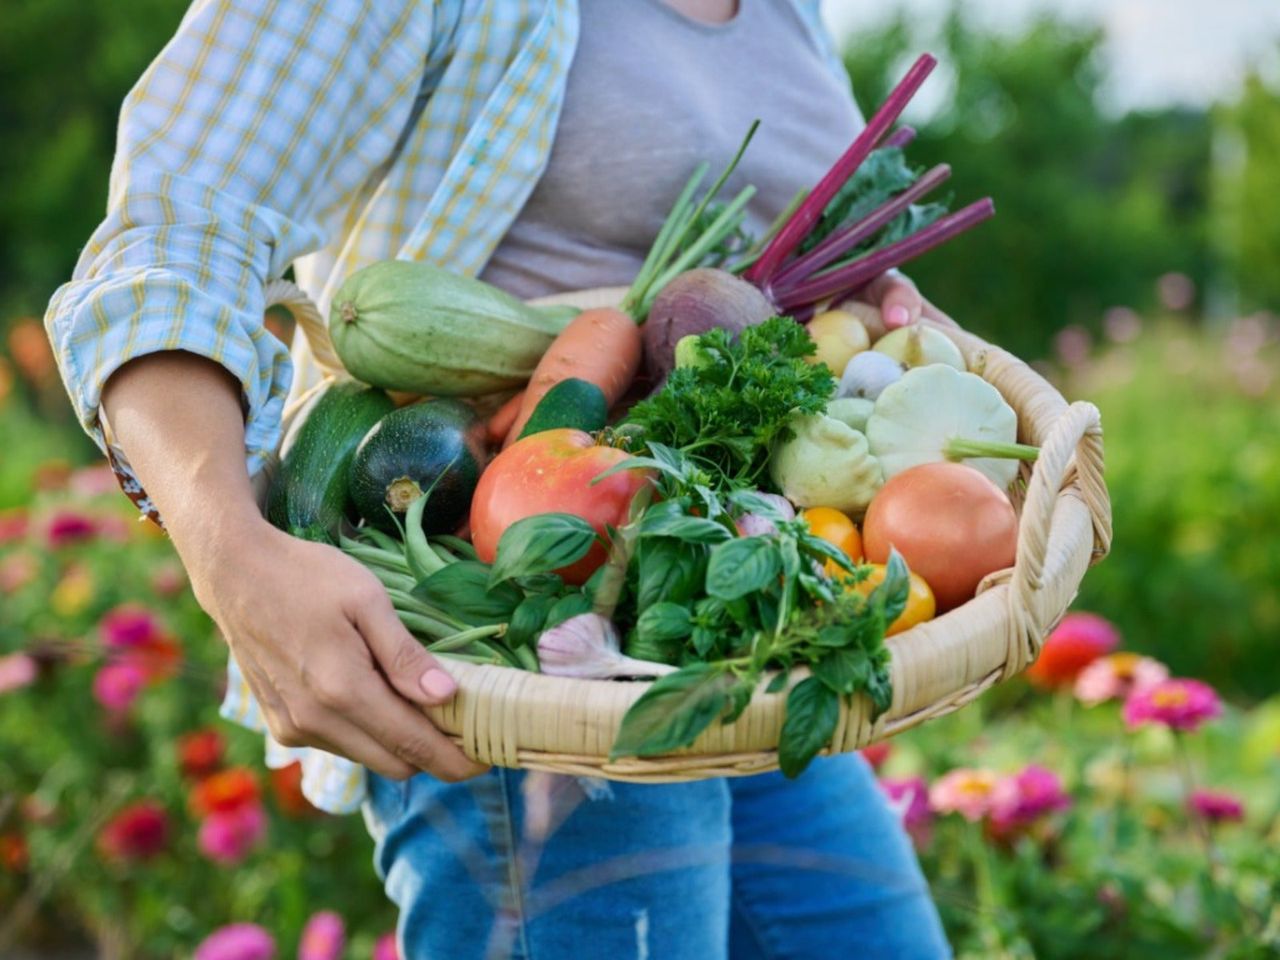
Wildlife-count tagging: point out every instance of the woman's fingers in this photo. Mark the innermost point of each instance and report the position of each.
(899, 301)
(413, 672)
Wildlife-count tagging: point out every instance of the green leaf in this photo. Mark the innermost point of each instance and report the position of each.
(823, 550)
(669, 523)
(668, 570)
(462, 589)
(548, 583)
(843, 670)
(673, 711)
(541, 544)
(812, 712)
(889, 599)
(663, 622)
(753, 501)
(741, 566)
(739, 700)
(528, 619)
(566, 607)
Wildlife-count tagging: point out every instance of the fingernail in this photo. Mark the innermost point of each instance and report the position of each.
(438, 684)
(898, 316)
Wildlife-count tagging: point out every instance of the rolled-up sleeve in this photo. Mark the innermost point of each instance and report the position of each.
(244, 145)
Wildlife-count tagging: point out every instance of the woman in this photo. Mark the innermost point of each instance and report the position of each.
(539, 143)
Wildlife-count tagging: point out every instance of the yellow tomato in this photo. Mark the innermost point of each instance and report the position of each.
(838, 530)
(920, 603)
(838, 335)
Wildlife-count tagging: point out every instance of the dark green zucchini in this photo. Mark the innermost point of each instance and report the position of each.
(570, 403)
(308, 495)
(437, 442)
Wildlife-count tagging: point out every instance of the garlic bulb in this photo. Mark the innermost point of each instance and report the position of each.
(588, 647)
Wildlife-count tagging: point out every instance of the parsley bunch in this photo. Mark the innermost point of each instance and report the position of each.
(726, 412)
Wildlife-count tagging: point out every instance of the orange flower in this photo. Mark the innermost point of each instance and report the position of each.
(286, 786)
(13, 852)
(225, 791)
(200, 752)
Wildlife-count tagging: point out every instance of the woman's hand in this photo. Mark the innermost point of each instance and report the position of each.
(313, 632)
(900, 302)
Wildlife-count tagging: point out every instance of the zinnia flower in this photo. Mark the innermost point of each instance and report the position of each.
(13, 525)
(225, 791)
(286, 786)
(168, 579)
(138, 832)
(1179, 704)
(227, 838)
(323, 937)
(67, 527)
(909, 796)
(128, 626)
(237, 941)
(1076, 642)
(1116, 675)
(117, 684)
(95, 481)
(17, 670)
(1216, 806)
(14, 854)
(16, 571)
(877, 753)
(965, 791)
(385, 948)
(1026, 796)
(200, 752)
(74, 592)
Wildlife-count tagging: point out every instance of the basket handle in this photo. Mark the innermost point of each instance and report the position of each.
(306, 314)
(1075, 441)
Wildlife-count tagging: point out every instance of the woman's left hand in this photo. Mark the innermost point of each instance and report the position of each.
(900, 301)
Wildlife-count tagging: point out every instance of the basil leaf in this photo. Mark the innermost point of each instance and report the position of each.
(673, 711)
(843, 670)
(665, 523)
(672, 459)
(462, 590)
(880, 687)
(741, 566)
(663, 622)
(547, 583)
(668, 570)
(825, 551)
(779, 682)
(642, 648)
(566, 607)
(889, 599)
(812, 713)
(527, 620)
(541, 544)
(739, 700)
(790, 557)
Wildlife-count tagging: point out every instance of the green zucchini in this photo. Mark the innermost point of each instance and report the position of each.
(308, 495)
(438, 442)
(412, 326)
(570, 403)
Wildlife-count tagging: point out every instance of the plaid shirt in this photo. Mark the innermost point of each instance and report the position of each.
(326, 134)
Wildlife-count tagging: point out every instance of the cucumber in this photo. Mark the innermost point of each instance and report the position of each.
(308, 495)
(570, 403)
(411, 326)
(438, 442)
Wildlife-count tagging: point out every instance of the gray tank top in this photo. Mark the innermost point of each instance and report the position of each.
(651, 93)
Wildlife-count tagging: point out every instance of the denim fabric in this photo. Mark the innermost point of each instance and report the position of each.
(542, 867)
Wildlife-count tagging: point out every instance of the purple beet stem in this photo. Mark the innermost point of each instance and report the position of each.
(846, 238)
(797, 228)
(901, 137)
(851, 277)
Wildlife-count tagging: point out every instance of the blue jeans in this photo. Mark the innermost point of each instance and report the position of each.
(543, 867)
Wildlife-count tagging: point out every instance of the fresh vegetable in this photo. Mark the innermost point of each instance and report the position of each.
(601, 346)
(726, 414)
(694, 302)
(588, 646)
(570, 403)
(308, 496)
(838, 530)
(920, 606)
(499, 425)
(554, 471)
(437, 445)
(868, 374)
(851, 411)
(689, 353)
(918, 345)
(938, 413)
(411, 326)
(826, 462)
(839, 335)
(951, 524)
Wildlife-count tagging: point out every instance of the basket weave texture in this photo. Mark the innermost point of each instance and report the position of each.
(515, 718)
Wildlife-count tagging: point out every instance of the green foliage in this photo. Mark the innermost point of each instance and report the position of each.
(1250, 216)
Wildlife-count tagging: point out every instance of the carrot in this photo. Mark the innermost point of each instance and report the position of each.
(601, 346)
(500, 423)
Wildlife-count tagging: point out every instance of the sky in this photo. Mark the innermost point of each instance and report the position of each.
(1158, 53)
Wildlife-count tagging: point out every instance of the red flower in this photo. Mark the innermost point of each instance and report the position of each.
(225, 791)
(286, 786)
(14, 855)
(877, 753)
(129, 626)
(66, 527)
(1078, 640)
(138, 832)
(200, 753)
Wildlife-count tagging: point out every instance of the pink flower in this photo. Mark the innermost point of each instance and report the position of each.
(323, 937)
(1074, 644)
(227, 838)
(967, 792)
(17, 670)
(67, 527)
(909, 796)
(13, 525)
(128, 626)
(139, 831)
(1115, 676)
(168, 579)
(237, 941)
(1216, 806)
(1179, 704)
(94, 481)
(1025, 797)
(16, 571)
(385, 948)
(118, 683)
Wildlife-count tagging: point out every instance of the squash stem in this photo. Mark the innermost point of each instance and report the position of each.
(958, 448)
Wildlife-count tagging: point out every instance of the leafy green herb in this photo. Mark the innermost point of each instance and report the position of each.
(673, 711)
(812, 712)
(464, 590)
(541, 544)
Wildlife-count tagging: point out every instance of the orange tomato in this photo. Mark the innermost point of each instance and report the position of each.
(838, 530)
(920, 603)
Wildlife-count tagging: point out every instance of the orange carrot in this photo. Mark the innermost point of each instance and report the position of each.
(601, 346)
(500, 423)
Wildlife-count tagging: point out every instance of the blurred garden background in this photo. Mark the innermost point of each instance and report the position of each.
(1135, 259)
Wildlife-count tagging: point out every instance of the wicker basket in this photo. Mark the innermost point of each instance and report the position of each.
(519, 719)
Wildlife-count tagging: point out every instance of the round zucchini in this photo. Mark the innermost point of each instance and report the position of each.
(437, 445)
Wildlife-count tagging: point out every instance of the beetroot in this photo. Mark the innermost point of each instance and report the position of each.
(694, 302)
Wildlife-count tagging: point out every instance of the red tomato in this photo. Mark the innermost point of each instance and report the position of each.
(551, 472)
(951, 524)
